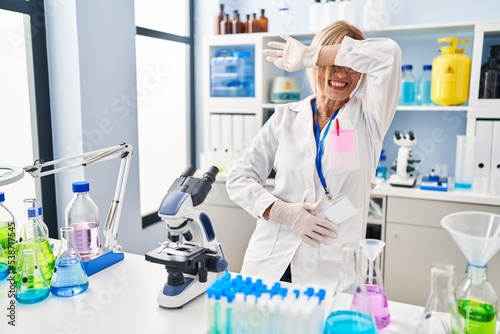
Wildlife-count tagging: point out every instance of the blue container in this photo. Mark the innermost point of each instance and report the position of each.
(232, 74)
(424, 87)
(408, 87)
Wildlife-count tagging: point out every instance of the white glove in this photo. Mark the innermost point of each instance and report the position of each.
(298, 218)
(292, 55)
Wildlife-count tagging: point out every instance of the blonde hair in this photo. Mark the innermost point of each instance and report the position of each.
(332, 35)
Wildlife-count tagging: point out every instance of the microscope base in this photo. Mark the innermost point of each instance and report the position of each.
(408, 182)
(177, 297)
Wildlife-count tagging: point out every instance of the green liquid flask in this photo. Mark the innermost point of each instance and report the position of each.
(477, 301)
(441, 312)
(350, 311)
(30, 238)
(31, 287)
(69, 277)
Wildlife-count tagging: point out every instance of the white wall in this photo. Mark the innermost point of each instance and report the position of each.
(91, 52)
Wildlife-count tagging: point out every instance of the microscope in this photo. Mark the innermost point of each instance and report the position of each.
(404, 165)
(192, 256)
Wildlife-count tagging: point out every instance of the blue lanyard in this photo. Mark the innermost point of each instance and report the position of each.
(320, 144)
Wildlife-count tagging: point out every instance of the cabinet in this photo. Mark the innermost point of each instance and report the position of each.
(415, 240)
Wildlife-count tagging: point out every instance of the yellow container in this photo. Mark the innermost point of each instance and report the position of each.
(450, 73)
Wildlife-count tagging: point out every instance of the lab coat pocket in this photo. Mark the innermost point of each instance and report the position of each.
(342, 154)
(349, 231)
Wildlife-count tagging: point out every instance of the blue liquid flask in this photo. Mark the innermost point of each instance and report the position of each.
(4, 264)
(424, 87)
(408, 87)
(350, 311)
(31, 287)
(69, 277)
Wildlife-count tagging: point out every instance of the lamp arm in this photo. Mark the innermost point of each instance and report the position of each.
(122, 151)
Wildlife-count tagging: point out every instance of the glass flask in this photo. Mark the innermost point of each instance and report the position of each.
(33, 203)
(69, 277)
(30, 238)
(373, 281)
(4, 265)
(477, 301)
(32, 287)
(441, 312)
(350, 311)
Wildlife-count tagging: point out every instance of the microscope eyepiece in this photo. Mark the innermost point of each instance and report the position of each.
(411, 135)
(211, 173)
(397, 134)
(190, 170)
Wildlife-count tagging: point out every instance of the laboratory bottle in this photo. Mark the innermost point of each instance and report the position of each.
(350, 311)
(408, 85)
(383, 15)
(477, 301)
(489, 86)
(369, 12)
(218, 19)
(263, 21)
(346, 11)
(441, 311)
(237, 24)
(381, 171)
(31, 287)
(225, 26)
(83, 214)
(331, 12)
(424, 87)
(254, 25)
(244, 24)
(30, 238)
(7, 226)
(315, 16)
(69, 277)
(371, 250)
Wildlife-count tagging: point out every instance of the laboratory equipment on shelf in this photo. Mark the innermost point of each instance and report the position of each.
(424, 87)
(285, 89)
(69, 277)
(405, 164)
(489, 85)
(450, 73)
(372, 248)
(32, 286)
(477, 234)
(232, 72)
(192, 256)
(110, 253)
(381, 171)
(33, 203)
(441, 312)
(350, 311)
(435, 180)
(407, 95)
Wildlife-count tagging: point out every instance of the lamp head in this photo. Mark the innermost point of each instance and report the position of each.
(10, 174)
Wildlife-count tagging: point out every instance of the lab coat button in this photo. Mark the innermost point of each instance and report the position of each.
(349, 49)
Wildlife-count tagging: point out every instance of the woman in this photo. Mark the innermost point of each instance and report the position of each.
(324, 151)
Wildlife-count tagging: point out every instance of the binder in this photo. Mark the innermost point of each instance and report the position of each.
(215, 133)
(250, 129)
(482, 151)
(238, 133)
(495, 158)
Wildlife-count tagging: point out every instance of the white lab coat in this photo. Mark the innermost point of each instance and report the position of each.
(286, 144)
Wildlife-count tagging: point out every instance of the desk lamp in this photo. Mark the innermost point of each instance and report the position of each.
(110, 253)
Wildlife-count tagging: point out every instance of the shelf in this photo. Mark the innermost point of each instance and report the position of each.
(432, 108)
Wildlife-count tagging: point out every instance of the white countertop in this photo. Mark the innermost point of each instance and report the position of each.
(122, 299)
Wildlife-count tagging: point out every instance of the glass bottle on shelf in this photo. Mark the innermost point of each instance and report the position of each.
(263, 21)
(424, 87)
(381, 171)
(477, 301)
(225, 26)
(489, 85)
(408, 85)
(254, 25)
(31, 287)
(350, 311)
(83, 214)
(441, 312)
(237, 24)
(218, 19)
(244, 25)
(69, 277)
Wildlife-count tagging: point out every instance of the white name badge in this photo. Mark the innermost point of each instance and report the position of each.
(340, 210)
